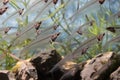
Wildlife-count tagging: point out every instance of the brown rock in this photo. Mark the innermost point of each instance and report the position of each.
(43, 62)
(115, 75)
(74, 72)
(100, 67)
(6, 75)
(24, 70)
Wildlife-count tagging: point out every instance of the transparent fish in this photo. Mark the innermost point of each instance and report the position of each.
(44, 41)
(28, 32)
(5, 30)
(9, 36)
(87, 7)
(47, 6)
(116, 14)
(114, 39)
(80, 29)
(35, 3)
(113, 17)
(20, 11)
(29, 35)
(47, 31)
(55, 11)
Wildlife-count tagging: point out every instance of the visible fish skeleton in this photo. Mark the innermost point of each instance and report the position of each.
(114, 39)
(87, 5)
(20, 11)
(21, 34)
(79, 31)
(32, 6)
(42, 10)
(46, 39)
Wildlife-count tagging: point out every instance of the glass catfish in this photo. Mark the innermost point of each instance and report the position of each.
(20, 11)
(41, 42)
(86, 7)
(114, 39)
(21, 36)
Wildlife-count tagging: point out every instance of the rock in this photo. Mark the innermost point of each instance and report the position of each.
(115, 75)
(24, 70)
(43, 62)
(100, 67)
(6, 75)
(74, 72)
(65, 72)
(105, 66)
